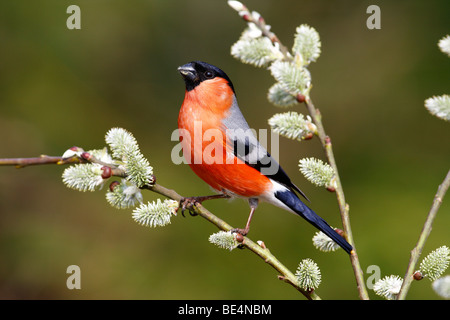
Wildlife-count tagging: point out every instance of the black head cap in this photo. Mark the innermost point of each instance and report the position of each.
(195, 72)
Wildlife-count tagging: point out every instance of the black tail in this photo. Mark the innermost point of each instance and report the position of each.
(291, 200)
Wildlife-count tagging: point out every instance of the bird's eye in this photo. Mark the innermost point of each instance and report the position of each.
(208, 74)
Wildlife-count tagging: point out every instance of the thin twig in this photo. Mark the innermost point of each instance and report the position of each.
(343, 206)
(426, 230)
(43, 159)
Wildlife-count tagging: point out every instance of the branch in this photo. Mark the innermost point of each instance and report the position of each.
(43, 159)
(264, 253)
(426, 230)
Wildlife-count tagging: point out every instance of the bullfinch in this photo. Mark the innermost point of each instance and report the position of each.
(221, 149)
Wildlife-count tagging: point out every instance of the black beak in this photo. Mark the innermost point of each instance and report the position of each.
(188, 72)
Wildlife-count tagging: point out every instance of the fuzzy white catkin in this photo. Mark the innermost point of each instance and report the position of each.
(444, 45)
(324, 243)
(388, 287)
(442, 287)
(316, 171)
(307, 43)
(155, 214)
(435, 263)
(280, 97)
(224, 240)
(293, 79)
(439, 106)
(260, 52)
(291, 125)
(83, 177)
(308, 275)
(125, 147)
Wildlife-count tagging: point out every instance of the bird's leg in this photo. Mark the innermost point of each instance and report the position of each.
(253, 202)
(188, 203)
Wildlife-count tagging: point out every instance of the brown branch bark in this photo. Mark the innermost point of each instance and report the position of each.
(43, 159)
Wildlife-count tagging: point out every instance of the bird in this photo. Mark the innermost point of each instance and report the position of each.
(222, 150)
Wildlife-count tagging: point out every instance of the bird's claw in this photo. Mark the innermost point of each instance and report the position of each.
(188, 204)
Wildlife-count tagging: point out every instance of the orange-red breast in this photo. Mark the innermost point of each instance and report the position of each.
(222, 150)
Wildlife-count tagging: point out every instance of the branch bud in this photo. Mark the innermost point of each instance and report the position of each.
(107, 173)
(86, 156)
(73, 151)
(113, 184)
(300, 98)
(417, 275)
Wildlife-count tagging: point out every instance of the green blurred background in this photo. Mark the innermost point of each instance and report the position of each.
(60, 88)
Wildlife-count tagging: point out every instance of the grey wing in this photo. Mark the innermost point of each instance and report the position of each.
(242, 140)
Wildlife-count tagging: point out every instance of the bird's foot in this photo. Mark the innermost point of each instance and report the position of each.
(188, 204)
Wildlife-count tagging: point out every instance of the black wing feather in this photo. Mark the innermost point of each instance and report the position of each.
(242, 149)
